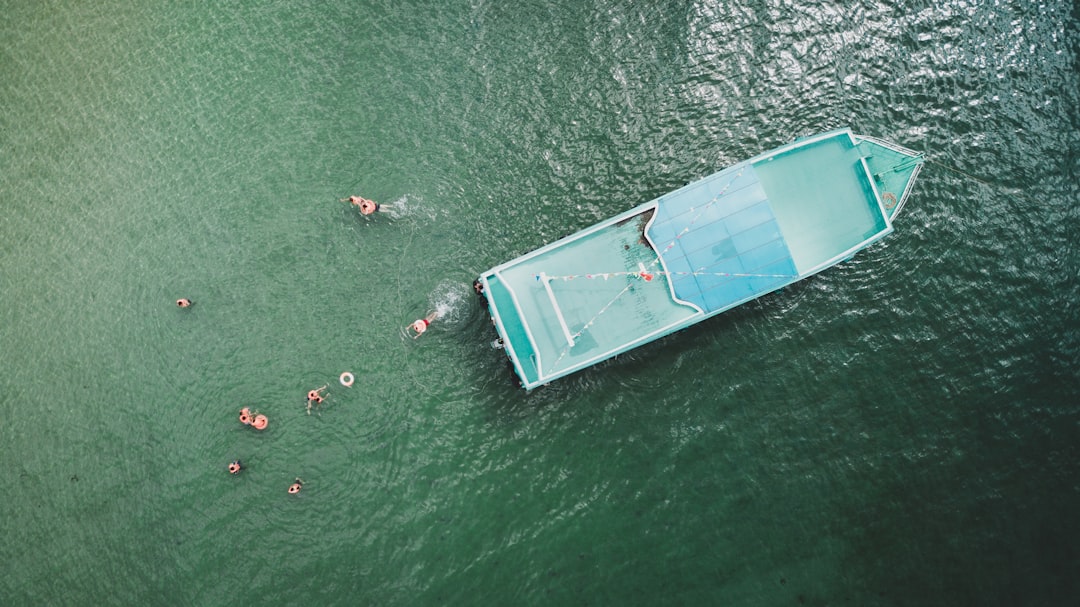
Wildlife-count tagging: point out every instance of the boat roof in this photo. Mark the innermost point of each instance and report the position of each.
(719, 240)
(711, 245)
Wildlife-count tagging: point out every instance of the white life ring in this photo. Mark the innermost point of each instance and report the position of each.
(347, 379)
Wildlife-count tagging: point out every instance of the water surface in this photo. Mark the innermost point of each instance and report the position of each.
(900, 430)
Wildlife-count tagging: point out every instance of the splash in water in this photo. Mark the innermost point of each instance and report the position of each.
(449, 299)
(396, 209)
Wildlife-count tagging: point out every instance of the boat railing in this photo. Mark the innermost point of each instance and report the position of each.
(558, 311)
(892, 146)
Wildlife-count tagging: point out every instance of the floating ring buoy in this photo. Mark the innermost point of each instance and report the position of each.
(259, 423)
(889, 199)
(347, 379)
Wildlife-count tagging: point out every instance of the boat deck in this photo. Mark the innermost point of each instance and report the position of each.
(822, 199)
(579, 291)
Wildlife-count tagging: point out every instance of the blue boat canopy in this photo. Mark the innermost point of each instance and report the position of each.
(726, 249)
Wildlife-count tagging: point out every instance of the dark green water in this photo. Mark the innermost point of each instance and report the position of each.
(901, 430)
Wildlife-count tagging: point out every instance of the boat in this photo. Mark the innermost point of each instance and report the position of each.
(719, 242)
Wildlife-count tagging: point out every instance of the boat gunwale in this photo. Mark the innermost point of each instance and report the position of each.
(565, 240)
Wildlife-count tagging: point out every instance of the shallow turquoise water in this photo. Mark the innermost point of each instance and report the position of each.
(901, 430)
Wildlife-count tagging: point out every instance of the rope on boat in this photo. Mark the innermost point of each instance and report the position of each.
(644, 271)
(959, 172)
(1013, 191)
(566, 349)
(647, 276)
(698, 216)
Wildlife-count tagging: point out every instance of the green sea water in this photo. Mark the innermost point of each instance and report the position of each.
(903, 429)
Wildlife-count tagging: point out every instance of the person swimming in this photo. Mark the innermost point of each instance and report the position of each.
(367, 207)
(478, 288)
(296, 486)
(421, 325)
(235, 467)
(315, 397)
(184, 302)
(259, 422)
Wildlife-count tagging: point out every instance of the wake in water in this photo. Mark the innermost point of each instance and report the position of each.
(395, 209)
(448, 304)
(370, 209)
(449, 299)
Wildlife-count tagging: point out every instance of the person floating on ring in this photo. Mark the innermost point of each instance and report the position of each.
(235, 467)
(245, 416)
(419, 326)
(315, 397)
(367, 207)
(184, 302)
(295, 487)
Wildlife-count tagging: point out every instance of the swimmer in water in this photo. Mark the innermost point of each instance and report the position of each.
(422, 325)
(315, 397)
(235, 467)
(295, 487)
(259, 422)
(367, 207)
(184, 302)
(478, 288)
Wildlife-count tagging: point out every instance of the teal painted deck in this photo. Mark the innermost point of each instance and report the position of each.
(641, 307)
(822, 200)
